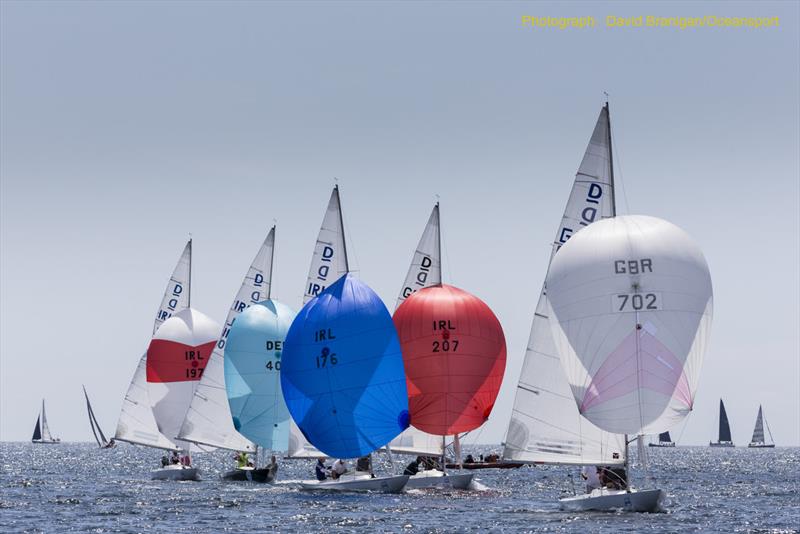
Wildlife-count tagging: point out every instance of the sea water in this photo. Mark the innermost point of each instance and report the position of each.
(73, 487)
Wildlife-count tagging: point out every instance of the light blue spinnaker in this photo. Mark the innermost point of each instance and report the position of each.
(253, 355)
(342, 372)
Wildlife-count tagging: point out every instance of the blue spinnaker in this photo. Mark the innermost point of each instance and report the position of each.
(342, 375)
(253, 356)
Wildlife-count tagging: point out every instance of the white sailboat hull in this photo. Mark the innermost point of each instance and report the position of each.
(45, 441)
(761, 446)
(721, 444)
(432, 478)
(392, 484)
(606, 499)
(175, 472)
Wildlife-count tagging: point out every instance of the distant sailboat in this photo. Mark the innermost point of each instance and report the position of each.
(758, 441)
(724, 438)
(99, 437)
(41, 432)
(663, 441)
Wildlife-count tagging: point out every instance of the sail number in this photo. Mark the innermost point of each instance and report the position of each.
(275, 346)
(197, 361)
(276, 366)
(636, 302)
(445, 345)
(326, 358)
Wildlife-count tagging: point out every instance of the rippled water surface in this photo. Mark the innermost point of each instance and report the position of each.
(76, 487)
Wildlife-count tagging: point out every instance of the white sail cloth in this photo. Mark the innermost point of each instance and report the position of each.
(176, 358)
(632, 305)
(545, 425)
(136, 422)
(329, 262)
(208, 420)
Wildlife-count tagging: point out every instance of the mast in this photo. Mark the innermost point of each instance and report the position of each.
(439, 240)
(189, 297)
(341, 225)
(269, 288)
(611, 164)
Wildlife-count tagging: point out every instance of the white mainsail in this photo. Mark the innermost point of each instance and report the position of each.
(425, 271)
(545, 425)
(208, 420)
(758, 431)
(329, 262)
(136, 422)
(178, 293)
(632, 307)
(46, 436)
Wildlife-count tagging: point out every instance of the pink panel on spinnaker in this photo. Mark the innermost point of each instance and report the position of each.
(659, 370)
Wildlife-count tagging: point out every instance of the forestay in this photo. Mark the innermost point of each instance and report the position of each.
(253, 358)
(342, 372)
(208, 420)
(632, 304)
(545, 425)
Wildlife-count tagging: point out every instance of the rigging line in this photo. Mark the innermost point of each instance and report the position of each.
(618, 161)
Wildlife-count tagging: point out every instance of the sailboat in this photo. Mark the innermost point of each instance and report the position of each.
(137, 423)
(253, 353)
(41, 432)
(209, 420)
(99, 437)
(425, 272)
(664, 440)
(724, 436)
(342, 373)
(578, 421)
(758, 441)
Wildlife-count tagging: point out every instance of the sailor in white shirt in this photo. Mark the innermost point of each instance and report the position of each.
(591, 476)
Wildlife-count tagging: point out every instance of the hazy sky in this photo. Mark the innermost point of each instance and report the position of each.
(126, 126)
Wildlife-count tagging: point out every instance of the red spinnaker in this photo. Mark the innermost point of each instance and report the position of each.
(454, 353)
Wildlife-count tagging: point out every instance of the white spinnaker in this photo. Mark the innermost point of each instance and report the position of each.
(136, 422)
(170, 398)
(632, 305)
(176, 296)
(425, 271)
(329, 262)
(545, 425)
(208, 420)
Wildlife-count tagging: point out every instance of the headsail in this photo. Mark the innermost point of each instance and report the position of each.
(136, 421)
(724, 426)
(632, 305)
(208, 420)
(253, 359)
(176, 359)
(329, 262)
(342, 372)
(545, 425)
(664, 438)
(37, 430)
